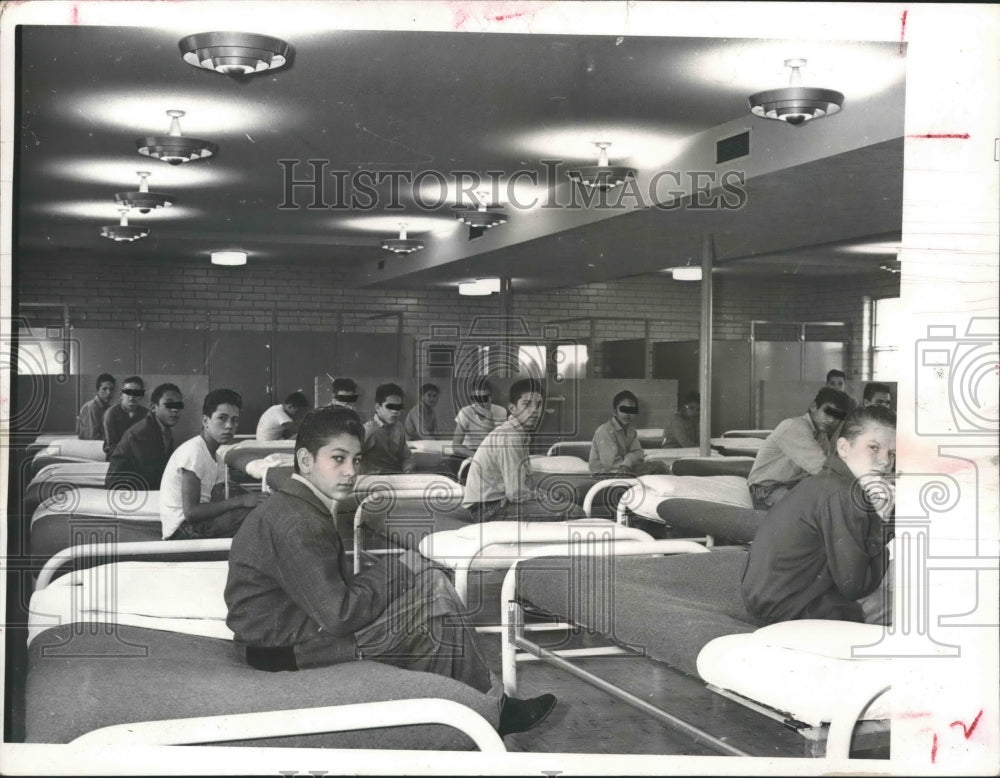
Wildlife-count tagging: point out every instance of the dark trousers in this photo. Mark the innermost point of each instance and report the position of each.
(425, 629)
(224, 525)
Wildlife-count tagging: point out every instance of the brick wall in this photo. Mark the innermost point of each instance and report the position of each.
(125, 293)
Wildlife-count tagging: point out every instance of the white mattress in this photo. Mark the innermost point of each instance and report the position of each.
(714, 457)
(744, 443)
(265, 446)
(123, 504)
(79, 473)
(258, 467)
(74, 448)
(442, 447)
(173, 596)
(559, 464)
(650, 490)
(409, 483)
(498, 543)
(672, 454)
(799, 668)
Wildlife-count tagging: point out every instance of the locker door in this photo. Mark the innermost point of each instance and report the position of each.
(299, 358)
(820, 356)
(777, 360)
(242, 361)
(731, 390)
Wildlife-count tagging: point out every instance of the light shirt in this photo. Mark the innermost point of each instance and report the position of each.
(615, 448)
(501, 467)
(421, 422)
(191, 455)
(795, 450)
(331, 504)
(475, 425)
(90, 422)
(269, 426)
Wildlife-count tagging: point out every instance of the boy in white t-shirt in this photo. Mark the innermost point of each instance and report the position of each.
(280, 422)
(192, 492)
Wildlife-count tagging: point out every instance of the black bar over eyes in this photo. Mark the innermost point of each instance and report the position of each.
(134, 392)
(175, 406)
(346, 398)
(394, 406)
(633, 409)
(481, 398)
(834, 413)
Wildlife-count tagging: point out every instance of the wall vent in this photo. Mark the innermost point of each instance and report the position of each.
(733, 147)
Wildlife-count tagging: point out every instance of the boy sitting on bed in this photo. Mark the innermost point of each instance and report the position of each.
(295, 604)
(193, 501)
(616, 449)
(385, 449)
(797, 448)
(345, 393)
(90, 420)
(821, 551)
(281, 421)
(500, 484)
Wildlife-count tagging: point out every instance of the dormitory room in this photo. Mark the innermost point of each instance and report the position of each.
(484, 394)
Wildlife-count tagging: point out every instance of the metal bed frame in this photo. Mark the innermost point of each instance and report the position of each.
(517, 647)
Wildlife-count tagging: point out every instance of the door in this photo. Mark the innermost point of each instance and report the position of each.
(242, 361)
(301, 357)
(172, 352)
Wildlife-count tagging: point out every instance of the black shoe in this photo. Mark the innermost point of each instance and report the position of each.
(521, 715)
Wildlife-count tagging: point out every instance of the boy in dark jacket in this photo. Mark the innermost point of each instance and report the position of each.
(821, 551)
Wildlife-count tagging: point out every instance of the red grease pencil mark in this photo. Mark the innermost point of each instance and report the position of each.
(934, 747)
(495, 12)
(505, 17)
(967, 731)
(958, 135)
(912, 715)
(902, 31)
(75, 16)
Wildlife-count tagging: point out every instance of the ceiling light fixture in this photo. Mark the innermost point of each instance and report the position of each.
(122, 231)
(402, 244)
(230, 258)
(234, 53)
(144, 200)
(481, 287)
(795, 104)
(174, 148)
(480, 216)
(602, 175)
(688, 272)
